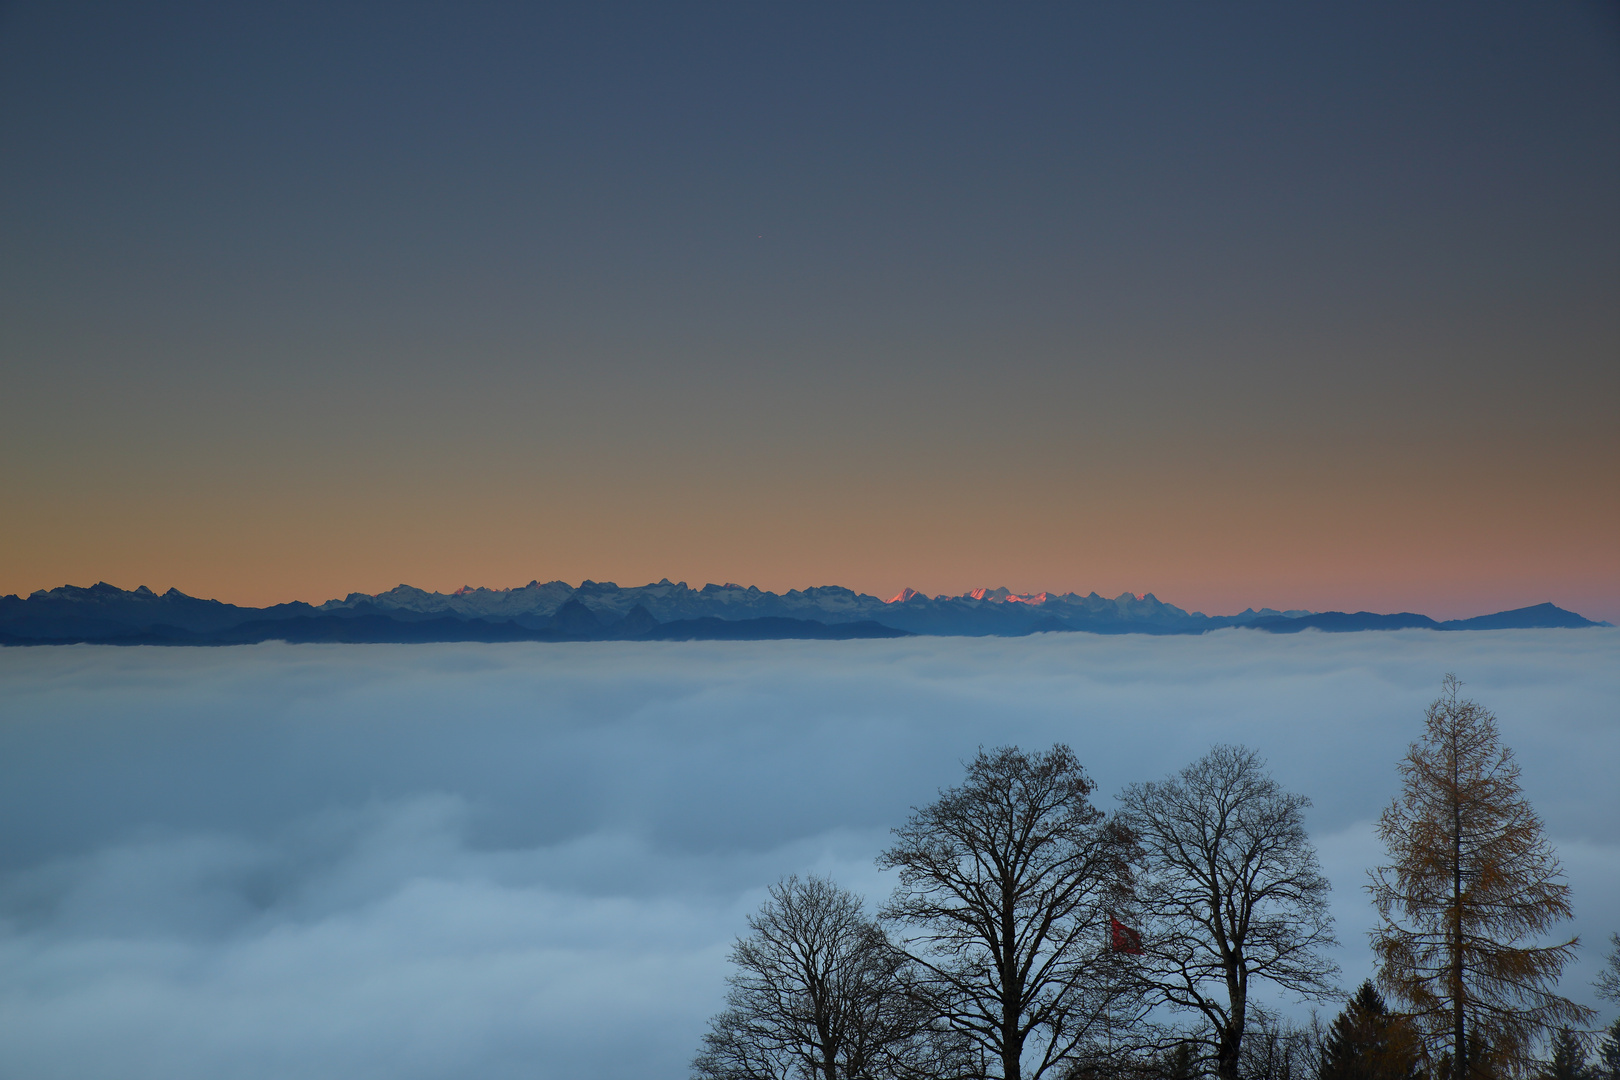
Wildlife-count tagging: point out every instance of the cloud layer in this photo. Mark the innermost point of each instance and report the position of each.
(530, 860)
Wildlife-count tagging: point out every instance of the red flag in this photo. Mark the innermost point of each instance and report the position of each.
(1125, 939)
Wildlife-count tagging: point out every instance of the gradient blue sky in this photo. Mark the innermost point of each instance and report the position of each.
(1303, 305)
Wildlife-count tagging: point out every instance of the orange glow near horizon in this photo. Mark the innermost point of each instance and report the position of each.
(1459, 571)
(1325, 326)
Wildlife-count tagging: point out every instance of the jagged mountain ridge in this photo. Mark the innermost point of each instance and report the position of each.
(667, 600)
(557, 611)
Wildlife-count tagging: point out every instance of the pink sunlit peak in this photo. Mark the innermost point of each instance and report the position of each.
(1005, 595)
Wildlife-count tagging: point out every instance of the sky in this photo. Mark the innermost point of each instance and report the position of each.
(1292, 305)
(414, 862)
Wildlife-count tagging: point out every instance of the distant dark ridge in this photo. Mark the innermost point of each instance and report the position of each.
(1339, 622)
(768, 629)
(1538, 617)
(372, 630)
(662, 611)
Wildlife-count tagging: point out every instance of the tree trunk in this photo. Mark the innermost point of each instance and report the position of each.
(1459, 1053)
(1227, 1051)
(1012, 1048)
(1012, 1045)
(829, 1051)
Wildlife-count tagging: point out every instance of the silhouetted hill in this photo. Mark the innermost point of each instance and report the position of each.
(1525, 618)
(638, 623)
(574, 619)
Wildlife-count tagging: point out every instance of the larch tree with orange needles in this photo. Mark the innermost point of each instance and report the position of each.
(1471, 887)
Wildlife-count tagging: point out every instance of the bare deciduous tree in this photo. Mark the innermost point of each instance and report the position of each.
(1230, 894)
(1005, 885)
(817, 995)
(1471, 883)
(1277, 1050)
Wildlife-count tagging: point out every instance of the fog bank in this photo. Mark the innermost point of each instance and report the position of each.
(530, 860)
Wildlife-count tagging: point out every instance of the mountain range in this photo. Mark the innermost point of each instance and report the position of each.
(663, 610)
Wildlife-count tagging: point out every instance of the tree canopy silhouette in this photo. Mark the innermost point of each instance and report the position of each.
(1005, 887)
(817, 995)
(1230, 894)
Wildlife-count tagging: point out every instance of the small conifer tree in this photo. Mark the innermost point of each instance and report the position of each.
(1366, 1042)
(1181, 1063)
(1568, 1058)
(1607, 1066)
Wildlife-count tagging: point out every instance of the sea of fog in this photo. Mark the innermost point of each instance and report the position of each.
(530, 859)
